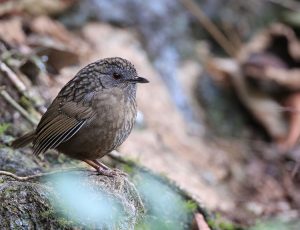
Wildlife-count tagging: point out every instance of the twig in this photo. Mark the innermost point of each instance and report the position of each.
(295, 170)
(232, 35)
(17, 81)
(201, 222)
(15, 104)
(13, 77)
(19, 178)
(211, 28)
(37, 176)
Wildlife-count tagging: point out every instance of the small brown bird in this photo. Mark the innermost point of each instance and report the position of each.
(92, 115)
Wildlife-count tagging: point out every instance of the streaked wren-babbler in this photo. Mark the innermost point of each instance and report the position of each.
(92, 115)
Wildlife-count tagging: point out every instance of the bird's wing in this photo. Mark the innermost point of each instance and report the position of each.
(62, 120)
(69, 112)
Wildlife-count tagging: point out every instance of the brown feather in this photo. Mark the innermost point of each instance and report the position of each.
(24, 140)
(62, 137)
(55, 127)
(54, 131)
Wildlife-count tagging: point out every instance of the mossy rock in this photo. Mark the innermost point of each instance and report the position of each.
(68, 200)
(82, 199)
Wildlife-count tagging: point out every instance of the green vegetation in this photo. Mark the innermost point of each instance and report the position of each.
(127, 168)
(3, 128)
(220, 223)
(190, 206)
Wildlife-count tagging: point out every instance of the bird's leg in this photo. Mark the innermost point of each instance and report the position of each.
(108, 170)
(114, 171)
(91, 163)
(101, 164)
(101, 168)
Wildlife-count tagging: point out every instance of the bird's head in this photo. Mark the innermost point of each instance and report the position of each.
(118, 72)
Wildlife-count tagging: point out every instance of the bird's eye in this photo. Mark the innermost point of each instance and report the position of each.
(117, 76)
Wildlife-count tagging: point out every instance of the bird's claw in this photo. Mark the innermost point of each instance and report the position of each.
(110, 172)
(120, 172)
(106, 172)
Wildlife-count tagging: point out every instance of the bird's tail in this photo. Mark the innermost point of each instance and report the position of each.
(23, 141)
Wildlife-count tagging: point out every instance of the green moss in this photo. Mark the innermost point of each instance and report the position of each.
(227, 226)
(64, 222)
(190, 206)
(3, 128)
(127, 168)
(7, 191)
(48, 213)
(220, 223)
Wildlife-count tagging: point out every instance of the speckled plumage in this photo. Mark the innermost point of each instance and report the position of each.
(92, 114)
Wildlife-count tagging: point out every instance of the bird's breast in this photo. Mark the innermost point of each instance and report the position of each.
(115, 117)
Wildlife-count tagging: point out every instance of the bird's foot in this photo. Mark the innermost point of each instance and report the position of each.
(106, 172)
(110, 172)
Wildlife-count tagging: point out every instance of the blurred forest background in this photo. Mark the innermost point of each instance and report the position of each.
(221, 115)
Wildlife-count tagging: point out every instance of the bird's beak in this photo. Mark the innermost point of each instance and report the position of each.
(138, 80)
